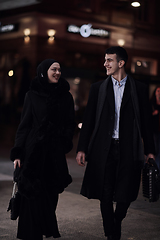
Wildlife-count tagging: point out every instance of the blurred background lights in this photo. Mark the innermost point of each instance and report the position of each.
(121, 42)
(10, 73)
(135, 4)
(79, 125)
(51, 33)
(144, 63)
(26, 39)
(139, 63)
(27, 32)
(77, 81)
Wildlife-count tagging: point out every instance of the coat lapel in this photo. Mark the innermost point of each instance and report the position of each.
(110, 95)
(126, 94)
(103, 91)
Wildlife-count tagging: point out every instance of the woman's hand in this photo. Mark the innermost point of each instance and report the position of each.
(17, 161)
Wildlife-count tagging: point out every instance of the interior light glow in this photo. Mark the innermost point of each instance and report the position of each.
(139, 63)
(51, 40)
(27, 32)
(135, 4)
(10, 73)
(77, 81)
(51, 32)
(121, 42)
(80, 125)
(26, 39)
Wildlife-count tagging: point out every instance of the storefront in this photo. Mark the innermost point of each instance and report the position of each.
(26, 39)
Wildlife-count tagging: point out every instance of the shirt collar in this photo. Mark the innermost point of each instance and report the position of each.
(122, 82)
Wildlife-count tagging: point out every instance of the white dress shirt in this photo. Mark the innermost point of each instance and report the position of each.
(118, 88)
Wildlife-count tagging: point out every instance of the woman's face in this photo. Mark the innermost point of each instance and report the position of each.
(158, 92)
(54, 73)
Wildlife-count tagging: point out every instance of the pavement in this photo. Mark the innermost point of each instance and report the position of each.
(78, 217)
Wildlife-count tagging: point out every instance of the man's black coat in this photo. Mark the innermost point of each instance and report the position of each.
(96, 134)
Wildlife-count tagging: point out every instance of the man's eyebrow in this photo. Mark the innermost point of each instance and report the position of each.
(108, 58)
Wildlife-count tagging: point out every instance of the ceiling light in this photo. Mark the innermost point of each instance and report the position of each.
(121, 42)
(135, 4)
(27, 32)
(51, 32)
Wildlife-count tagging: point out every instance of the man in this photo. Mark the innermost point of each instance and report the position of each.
(116, 120)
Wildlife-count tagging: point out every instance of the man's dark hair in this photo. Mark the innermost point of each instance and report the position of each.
(119, 51)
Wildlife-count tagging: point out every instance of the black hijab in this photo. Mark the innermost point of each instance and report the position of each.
(42, 70)
(41, 84)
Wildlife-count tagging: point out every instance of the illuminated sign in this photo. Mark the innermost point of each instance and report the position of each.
(9, 28)
(10, 4)
(86, 30)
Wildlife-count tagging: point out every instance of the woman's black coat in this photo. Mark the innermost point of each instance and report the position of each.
(96, 134)
(43, 138)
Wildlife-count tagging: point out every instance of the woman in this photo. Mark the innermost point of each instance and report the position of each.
(43, 138)
(155, 101)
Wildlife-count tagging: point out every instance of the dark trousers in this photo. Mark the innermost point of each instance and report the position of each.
(109, 215)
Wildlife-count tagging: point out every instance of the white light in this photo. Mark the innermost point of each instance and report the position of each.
(77, 81)
(139, 63)
(7, 28)
(135, 4)
(27, 32)
(51, 32)
(10, 73)
(85, 30)
(73, 29)
(121, 42)
(80, 125)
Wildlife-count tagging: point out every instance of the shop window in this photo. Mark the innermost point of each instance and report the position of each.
(144, 66)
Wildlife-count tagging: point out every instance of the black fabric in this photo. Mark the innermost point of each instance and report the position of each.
(39, 215)
(14, 205)
(16, 174)
(108, 214)
(131, 162)
(44, 136)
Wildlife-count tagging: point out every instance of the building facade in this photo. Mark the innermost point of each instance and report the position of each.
(76, 34)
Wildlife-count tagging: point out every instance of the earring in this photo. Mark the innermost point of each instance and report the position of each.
(42, 75)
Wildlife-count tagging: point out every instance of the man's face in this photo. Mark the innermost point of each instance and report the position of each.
(111, 64)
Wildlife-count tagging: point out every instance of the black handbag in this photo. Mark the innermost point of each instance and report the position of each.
(15, 201)
(151, 181)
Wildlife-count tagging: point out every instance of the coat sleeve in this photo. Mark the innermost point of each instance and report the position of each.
(18, 151)
(88, 121)
(146, 121)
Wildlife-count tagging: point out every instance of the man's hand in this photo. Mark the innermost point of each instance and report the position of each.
(80, 158)
(150, 155)
(17, 161)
